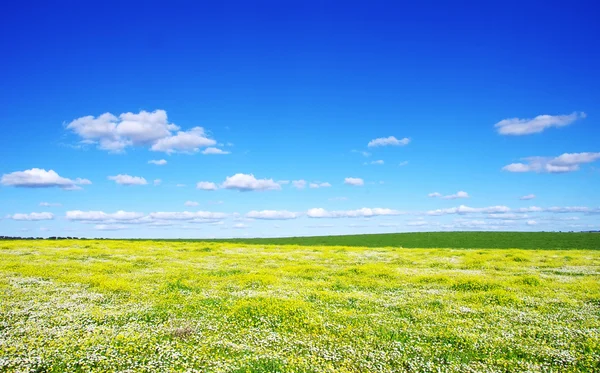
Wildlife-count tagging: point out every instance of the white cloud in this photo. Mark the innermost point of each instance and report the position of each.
(153, 129)
(363, 212)
(531, 222)
(128, 180)
(459, 194)
(40, 178)
(462, 209)
(50, 204)
(385, 141)
(109, 227)
(516, 126)
(34, 216)
(247, 182)
(272, 215)
(527, 197)
(191, 203)
(283, 182)
(378, 162)
(299, 184)
(206, 185)
(158, 162)
(403, 163)
(566, 162)
(157, 181)
(101, 216)
(214, 151)
(356, 181)
(317, 184)
(184, 142)
(241, 226)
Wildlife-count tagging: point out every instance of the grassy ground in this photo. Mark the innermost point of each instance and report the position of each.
(155, 306)
(470, 240)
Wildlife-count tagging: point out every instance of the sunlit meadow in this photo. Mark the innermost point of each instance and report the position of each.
(150, 306)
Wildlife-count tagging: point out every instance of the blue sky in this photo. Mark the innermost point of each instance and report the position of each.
(469, 107)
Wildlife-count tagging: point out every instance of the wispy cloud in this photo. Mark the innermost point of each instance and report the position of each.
(567, 162)
(517, 127)
(158, 162)
(459, 194)
(128, 180)
(356, 181)
(388, 141)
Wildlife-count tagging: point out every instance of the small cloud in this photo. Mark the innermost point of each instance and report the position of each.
(128, 180)
(247, 182)
(403, 163)
(517, 127)
(40, 178)
(206, 185)
(317, 184)
(388, 141)
(109, 227)
(527, 197)
(356, 181)
(34, 216)
(241, 226)
(283, 182)
(363, 212)
(378, 162)
(191, 203)
(158, 162)
(299, 184)
(531, 222)
(214, 151)
(459, 194)
(567, 162)
(362, 152)
(50, 204)
(157, 181)
(338, 199)
(180, 185)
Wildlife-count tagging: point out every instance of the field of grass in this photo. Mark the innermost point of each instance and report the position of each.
(160, 306)
(467, 240)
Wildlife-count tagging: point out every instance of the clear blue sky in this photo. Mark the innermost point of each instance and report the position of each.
(482, 103)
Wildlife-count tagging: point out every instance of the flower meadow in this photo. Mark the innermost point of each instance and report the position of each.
(159, 306)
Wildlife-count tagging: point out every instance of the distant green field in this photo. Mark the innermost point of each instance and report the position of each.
(455, 240)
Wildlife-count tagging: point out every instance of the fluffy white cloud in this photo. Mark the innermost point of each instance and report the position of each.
(459, 194)
(191, 203)
(566, 162)
(363, 212)
(50, 204)
(145, 128)
(128, 180)
(531, 222)
(34, 216)
(206, 185)
(157, 181)
(184, 141)
(299, 184)
(272, 215)
(247, 182)
(214, 151)
(385, 141)
(462, 209)
(527, 197)
(516, 126)
(40, 178)
(158, 162)
(101, 216)
(356, 181)
(317, 184)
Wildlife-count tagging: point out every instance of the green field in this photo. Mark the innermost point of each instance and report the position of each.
(469, 240)
(164, 306)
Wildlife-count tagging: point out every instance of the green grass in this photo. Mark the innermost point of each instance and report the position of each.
(467, 240)
(159, 306)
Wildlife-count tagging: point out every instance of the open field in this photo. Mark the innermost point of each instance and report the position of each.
(468, 240)
(160, 306)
